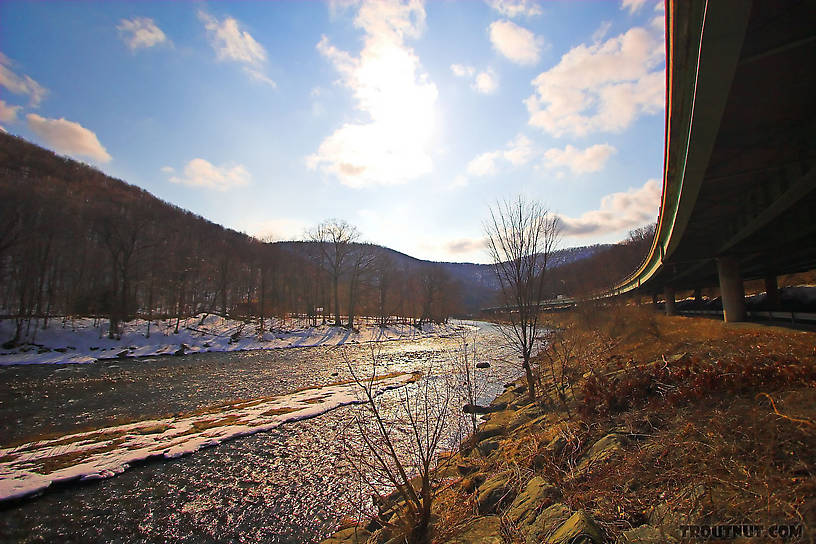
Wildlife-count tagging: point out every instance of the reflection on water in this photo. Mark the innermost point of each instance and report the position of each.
(288, 485)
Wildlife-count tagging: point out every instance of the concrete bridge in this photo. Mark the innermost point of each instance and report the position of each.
(739, 169)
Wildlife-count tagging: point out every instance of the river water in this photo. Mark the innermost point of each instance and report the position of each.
(291, 484)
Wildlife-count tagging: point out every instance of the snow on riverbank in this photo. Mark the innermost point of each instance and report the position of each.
(30, 468)
(79, 341)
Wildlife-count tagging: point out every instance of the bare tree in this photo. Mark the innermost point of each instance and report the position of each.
(334, 239)
(521, 235)
(401, 441)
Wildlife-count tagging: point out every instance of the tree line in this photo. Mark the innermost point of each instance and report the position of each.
(74, 241)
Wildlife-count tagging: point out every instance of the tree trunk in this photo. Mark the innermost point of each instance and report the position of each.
(528, 371)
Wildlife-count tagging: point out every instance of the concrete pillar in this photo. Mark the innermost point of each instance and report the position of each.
(668, 292)
(772, 292)
(732, 291)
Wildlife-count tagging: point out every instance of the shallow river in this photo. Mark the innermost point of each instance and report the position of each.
(291, 484)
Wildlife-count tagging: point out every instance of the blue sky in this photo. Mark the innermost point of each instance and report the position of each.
(406, 119)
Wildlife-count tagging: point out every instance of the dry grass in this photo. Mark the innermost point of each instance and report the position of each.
(719, 420)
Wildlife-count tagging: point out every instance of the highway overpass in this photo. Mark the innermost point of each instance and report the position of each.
(739, 198)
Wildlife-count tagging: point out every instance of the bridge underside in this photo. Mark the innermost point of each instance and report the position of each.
(756, 206)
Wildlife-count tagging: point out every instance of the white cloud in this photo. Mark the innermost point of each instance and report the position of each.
(276, 229)
(618, 212)
(67, 137)
(465, 246)
(259, 76)
(517, 152)
(515, 8)
(461, 70)
(486, 82)
(602, 31)
(601, 87)
(8, 113)
(580, 161)
(484, 164)
(20, 84)
(201, 173)
(516, 43)
(230, 42)
(168, 169)
(391, 143)
(140, 33)
(633, 5)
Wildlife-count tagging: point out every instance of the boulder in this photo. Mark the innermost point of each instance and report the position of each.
(602, 450)
(646, 534)
(578, 529)
(486, 447)
(536, 494)
(484, 530)
(489, 430)
(483, 364)
(494, 493)
(545, 523)
(479, 409)
(525, 415)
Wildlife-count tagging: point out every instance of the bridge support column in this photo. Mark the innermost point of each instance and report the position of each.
(772, 292)
(668, 292)
(732, 291)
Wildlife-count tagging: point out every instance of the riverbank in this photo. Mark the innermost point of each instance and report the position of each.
(85, 340)
(661, 423)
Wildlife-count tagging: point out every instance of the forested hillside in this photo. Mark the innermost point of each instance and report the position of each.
(75, 241)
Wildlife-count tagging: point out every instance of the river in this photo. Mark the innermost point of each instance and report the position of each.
(290, 484)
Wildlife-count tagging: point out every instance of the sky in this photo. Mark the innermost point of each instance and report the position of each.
(409, 120)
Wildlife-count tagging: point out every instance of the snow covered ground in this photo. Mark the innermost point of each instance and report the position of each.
(80, 341)
(32, 467)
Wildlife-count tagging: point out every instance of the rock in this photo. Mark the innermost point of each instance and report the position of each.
(537, 493)
(489, 430)
(494, 493)
(470, 483)
(602, 450)
(122, 354)
(181, 350)
(486, 447)
(484, 530)
(646, 534)
(483, 364)
(525, 415)
(350, 535)
(464, 469)
(547, 521)
(578, 529)
(479, 409)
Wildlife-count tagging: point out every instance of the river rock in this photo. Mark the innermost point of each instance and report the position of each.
(494, 493)
(484, 530)
(486, 447)
(578, 529)
(646, 534)
(483, 364)
(602, 450)
(479, 409)
(489, 430)
(537, 493)
(547, 521)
